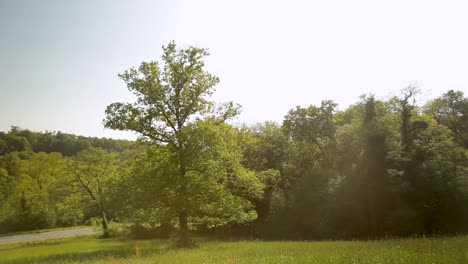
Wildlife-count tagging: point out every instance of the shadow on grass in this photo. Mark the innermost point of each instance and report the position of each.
(107, 254)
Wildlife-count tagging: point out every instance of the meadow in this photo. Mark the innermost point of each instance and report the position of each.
(93, 250)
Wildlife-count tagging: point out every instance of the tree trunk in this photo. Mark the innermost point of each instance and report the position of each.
(183, 239)
(183, 236)
(105, 224)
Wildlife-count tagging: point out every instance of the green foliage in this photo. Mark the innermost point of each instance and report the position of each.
(93, 170)
(199, 178)
(35, 192)
(376, 168)
(18, 139)
(216, 189)
(35, 189)
(451, 110)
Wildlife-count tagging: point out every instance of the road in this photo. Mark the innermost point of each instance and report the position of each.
(46, 235)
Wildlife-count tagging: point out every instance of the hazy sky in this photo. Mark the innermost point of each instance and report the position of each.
(59, 62)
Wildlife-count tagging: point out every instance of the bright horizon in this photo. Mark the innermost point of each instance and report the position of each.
(59, 62)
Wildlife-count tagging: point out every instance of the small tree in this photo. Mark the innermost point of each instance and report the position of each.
(92, 169)
(172, 101)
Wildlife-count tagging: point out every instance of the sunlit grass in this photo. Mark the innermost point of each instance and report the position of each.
(92, 250)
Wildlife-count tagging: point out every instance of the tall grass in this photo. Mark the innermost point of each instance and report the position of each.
(91, 250)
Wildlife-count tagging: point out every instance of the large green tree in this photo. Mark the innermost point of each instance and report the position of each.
(172, 99)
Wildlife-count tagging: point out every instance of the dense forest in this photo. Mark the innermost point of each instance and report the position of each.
(393, 167)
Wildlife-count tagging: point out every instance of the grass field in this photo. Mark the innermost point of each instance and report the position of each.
(92, 250)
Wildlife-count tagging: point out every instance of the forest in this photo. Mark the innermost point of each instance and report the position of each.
(378, 168)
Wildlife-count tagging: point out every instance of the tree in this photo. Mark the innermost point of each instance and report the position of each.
(306, 172)
(170, 99)
(35, 193)
(451, 110)
(372, 169)
(408, 109)
(43, 190)
(10, 174)
(264, 146)
(366, 132)
(312, 124)
(93, 168)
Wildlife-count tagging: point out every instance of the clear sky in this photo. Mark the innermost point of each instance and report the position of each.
(59, 61)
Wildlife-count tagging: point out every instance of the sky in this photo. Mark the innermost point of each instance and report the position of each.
(59, 60)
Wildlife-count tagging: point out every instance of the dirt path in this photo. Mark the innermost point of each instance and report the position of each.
(46, 235)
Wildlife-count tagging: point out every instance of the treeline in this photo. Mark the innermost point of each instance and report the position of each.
(18, 139)
(379, 167)
(37, 189)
